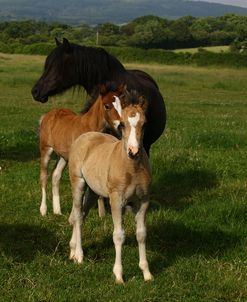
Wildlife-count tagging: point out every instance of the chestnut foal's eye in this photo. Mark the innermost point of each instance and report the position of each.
(121, 125)
(107, 106)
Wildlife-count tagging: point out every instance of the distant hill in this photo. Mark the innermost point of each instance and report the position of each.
(102, 11)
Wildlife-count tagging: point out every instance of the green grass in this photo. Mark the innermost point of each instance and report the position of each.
(197, 221)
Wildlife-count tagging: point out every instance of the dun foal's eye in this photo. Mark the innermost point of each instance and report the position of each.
(107, 106)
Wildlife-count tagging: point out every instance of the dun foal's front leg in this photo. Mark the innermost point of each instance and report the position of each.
(78, 186)
(141, 239)
(118, 234)
(56, 176)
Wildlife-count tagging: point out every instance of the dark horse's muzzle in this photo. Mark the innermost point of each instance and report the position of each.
(37, 96)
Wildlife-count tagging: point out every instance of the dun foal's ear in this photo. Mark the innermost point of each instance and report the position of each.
(120, 89)
(125, 90)
(67, 45)
(58, 43)
(143, 102)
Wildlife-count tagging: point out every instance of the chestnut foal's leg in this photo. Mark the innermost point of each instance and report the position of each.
(45, 154)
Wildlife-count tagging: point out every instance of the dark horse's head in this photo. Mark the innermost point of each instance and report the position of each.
(69, 65)
(58, 74)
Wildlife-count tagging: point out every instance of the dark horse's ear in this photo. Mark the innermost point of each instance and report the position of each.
(66, 45)
(58, 43)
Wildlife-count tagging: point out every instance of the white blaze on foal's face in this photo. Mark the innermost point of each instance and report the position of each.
(133, 144)
(117, 105)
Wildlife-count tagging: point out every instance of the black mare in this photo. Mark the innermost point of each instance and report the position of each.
(72, 65)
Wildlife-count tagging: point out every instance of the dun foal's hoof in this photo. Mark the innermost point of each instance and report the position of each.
(119, 281)
(43, 211)
(57, 212)
(148, 277)
(76, 257)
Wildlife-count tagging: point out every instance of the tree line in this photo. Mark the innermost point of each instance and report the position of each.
(145, 32)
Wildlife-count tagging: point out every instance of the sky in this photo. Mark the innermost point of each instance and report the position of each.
(242, 3)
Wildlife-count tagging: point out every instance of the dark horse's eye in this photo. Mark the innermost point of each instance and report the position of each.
(107, 106)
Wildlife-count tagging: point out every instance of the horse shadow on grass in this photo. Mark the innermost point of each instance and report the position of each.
(21, 146)
(20, 153)
(170, 241)
(22, 242)
(175, 189)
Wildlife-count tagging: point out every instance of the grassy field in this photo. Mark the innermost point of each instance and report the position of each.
(197, 222)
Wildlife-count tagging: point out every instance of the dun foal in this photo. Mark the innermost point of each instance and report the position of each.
(118, 169)
(60, 127)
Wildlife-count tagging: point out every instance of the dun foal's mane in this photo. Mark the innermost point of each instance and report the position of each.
(132, 97)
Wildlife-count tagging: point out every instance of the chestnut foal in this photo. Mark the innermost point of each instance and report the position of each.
(60, 127)
(117, 169)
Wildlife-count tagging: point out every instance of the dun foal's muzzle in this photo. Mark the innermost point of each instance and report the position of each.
(133, 152)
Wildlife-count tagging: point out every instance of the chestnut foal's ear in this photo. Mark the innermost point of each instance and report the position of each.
(102, 89)
(67, 45)
(125, 96)
(58, 43)
(143, 102)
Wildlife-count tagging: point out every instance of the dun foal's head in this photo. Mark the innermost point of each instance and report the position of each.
(132, 111)
(59, 72)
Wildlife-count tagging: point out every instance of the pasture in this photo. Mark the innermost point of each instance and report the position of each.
(197, 221)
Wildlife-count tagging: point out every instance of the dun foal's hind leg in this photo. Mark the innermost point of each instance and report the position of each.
(45, 154)
(75, 219)
(89, 200)
(56, 176)
(101, 207)
(141, 239)
(118, 235)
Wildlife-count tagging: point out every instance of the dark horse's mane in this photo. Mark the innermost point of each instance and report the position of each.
(96, 63)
